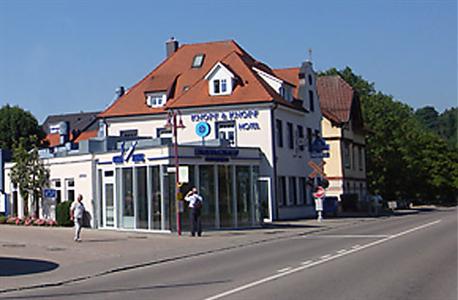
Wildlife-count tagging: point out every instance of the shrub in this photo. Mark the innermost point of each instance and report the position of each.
(3, 219)
(63, 214)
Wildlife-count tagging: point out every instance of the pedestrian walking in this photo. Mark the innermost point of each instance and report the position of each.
(195, 204)
(76, 215)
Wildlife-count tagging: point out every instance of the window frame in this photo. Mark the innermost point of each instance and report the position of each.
(290, 135)
(198, 61)
(279, 132)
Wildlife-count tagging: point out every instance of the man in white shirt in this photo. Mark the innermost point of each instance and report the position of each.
(76, 215)
(195, 204)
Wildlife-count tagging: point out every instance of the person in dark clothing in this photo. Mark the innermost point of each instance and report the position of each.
(195, 204)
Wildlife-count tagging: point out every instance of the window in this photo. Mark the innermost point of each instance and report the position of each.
(300, 133)
(361, 158)
(279, 131)
(226, 131)
(216, 86)
(353, 157)
(223, 85)
(155, 99)
(309, 137)
(129, 133)
(290, 136)
(163, 133)
(302, 191)
(346, 154)
(312, 107)
(54, 128)
(281, 192)
(310, 79)
(292, 189)
(70, 189)
(56, 184)
(198, 61)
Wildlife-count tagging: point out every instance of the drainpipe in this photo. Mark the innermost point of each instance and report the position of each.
(274, 155)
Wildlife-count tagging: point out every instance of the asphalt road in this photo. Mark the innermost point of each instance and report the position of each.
(408, 257)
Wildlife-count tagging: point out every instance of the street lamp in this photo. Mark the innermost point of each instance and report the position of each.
(172, 124)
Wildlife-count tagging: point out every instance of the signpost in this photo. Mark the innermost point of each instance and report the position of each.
(319, 195)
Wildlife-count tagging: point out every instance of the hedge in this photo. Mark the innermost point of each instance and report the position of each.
(63, 214)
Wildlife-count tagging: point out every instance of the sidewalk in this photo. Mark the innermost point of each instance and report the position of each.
(103, 251)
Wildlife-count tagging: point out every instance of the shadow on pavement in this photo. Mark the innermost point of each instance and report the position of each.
(10, 266)
(121, 290)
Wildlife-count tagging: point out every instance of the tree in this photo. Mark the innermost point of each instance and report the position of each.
(16, 123)
(28, 173)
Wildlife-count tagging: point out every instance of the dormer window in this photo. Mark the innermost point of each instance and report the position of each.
(198, 61)
(220, 86)
(156, 99)
(220, 80)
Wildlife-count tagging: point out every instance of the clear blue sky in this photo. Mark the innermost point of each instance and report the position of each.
(68, 56)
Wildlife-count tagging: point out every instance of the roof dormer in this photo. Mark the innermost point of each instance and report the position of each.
(220, 80)
(282, 87)
(156, 99)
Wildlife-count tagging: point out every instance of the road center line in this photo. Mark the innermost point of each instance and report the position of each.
(342, 251)
(284, 269)
(304, 267)
(325, 256)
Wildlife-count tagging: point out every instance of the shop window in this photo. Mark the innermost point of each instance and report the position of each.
(279, 132)
(70, 189)
(292, 191)
(226, 131)
(290, 136)
(281, 191)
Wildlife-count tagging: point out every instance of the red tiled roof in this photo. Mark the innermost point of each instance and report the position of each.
(85, 135)
(335, 94)
(187, 87)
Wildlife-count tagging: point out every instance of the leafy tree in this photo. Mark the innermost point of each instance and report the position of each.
(16, 123)
(28, 173)
(429, 116)
(444, 124)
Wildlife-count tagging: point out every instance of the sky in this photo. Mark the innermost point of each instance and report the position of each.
(61, 56)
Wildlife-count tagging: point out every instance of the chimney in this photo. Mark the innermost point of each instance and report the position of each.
(171, 46)
(119, 92)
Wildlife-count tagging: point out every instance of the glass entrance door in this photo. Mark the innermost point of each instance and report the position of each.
(108, 203)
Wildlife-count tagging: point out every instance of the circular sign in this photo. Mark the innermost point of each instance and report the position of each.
(202, 129)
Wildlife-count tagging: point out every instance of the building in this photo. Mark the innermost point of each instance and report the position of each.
(64, 128)
(343, 129)
(244, 138)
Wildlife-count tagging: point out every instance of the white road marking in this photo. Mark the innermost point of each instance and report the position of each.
(325, 256)
(304, 267)
(356, 246)
(342, 251)
(349, 236)
(306, 262)
(284, 270)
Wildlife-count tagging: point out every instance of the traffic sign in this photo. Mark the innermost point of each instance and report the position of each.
(50, 193)
(317, 169)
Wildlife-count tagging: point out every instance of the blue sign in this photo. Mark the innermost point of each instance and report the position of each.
(202, 129)
(128, 154)
(319, 145)
(50, 193)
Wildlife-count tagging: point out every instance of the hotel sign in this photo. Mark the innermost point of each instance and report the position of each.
(246, 118)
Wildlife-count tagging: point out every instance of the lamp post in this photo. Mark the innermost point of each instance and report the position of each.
(172, 124)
